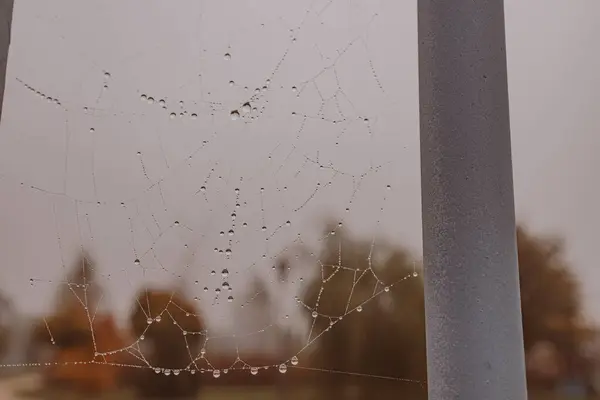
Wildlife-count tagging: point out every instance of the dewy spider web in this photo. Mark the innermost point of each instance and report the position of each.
(223, 161)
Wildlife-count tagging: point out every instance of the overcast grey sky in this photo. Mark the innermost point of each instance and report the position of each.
(347, 69)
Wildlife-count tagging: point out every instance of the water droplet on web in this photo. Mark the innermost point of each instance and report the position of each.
(225, 285)
(294, 360)
(31, 281)
(254, 370)
(181, 103)
(225, 273)
(227, 56)
(366, 120)
(150, 100)
(415, 274)
(136, 262)
(359, 308)
(283, 368)
(157, 370)
(264, 228)
(202, 351)
(221, 233)
(107, 75)
(231, 232)
(158, 318)
(386, 289)
(176, 223)
(231, 83)
(230, 299)
(205, 289)
(193, 372)
(245, 224)
(149, 320)
(233, 215)
(216, 373)
(184, 333)
(142, 337)
(246, 107)
(167, 372)
(228, 252)
(315, 314)
(235, 115)
(203, 188)
(144, 97)
(172, 115)
(161, 102)
(294, 89)
(92, 130)
(218, 290)
(194, 116)
(176, 372)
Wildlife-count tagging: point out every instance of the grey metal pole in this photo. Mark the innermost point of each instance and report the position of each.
(474, 330)
(6, 11)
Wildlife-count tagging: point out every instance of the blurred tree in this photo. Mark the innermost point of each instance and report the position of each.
(387, 337)
(550, 298)
(170, 332)
(6, 314)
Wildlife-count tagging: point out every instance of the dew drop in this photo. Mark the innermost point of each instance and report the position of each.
(246, 107)
(205, 289)
(415, 274)
(225, 273)
(231, 232)
(172, 115)
(149, 320)
(144, 97)
(294, 89)
(228, 252)
(359, 308)
(157, 370)
(227, 56)
(107, 75)
(212, 273)
(202, 351)
(221, 233)
(142, 337)
(264, 228)
(230, 299)
(150, 100)
(216, 373)
(136, 262)
(92, 130)
(315, 314)
(203, 189)
(176, 223)
(158, 318)
(389, 187)
(161, 102)
(386, 289)
(294, 360)
(231, 83)
(167, 372)
(225, 285)
(254, 370)
(176, 372)
(235, 115)
(194, 116)
(288, 223)
(283, 368)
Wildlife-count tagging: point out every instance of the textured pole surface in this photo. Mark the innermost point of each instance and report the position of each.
(474, 330)
(6, 11)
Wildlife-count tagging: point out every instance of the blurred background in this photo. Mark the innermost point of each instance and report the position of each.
(221, 199)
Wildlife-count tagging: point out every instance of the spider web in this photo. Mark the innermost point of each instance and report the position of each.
(198, 161)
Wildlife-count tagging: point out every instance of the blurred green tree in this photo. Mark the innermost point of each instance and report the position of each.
(170, 330)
